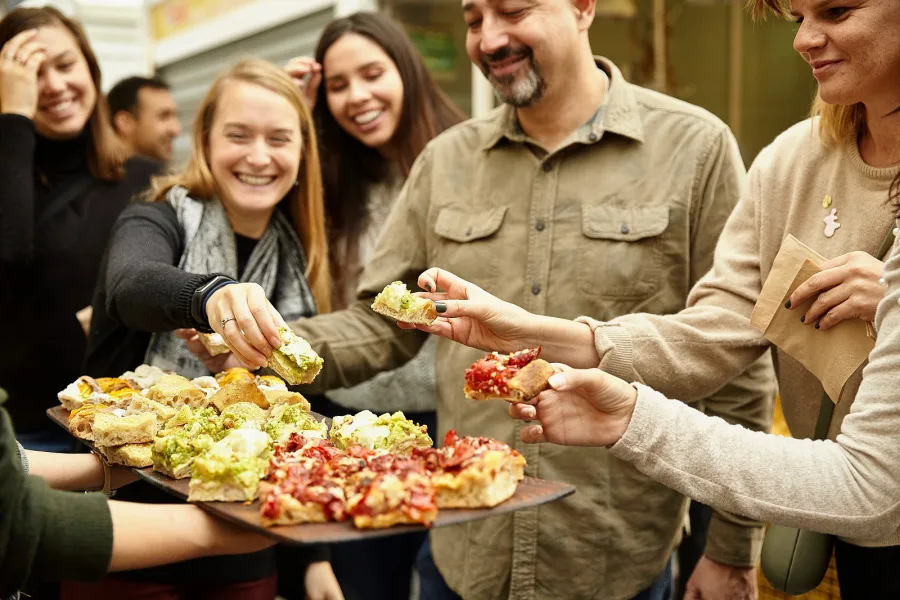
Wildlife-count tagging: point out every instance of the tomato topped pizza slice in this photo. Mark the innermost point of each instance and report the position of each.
(472, 472)
(515, 377)
(390, 491)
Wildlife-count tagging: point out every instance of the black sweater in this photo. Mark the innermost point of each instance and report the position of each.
(142, 291)
(48, 268)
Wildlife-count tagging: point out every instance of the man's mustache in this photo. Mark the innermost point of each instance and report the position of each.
(503, 54)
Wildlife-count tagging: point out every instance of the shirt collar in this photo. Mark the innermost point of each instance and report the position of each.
(618, 114)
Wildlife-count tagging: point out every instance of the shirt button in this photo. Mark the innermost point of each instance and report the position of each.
(625, 228)
(535, 289)
(539, 225)
(593, 137)
(547, 167)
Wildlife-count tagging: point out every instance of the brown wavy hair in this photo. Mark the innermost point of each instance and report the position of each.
(304, 204)
(106, 156)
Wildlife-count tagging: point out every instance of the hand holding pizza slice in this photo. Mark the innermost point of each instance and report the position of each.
(516, 377)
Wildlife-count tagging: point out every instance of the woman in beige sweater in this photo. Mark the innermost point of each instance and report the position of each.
(838, 165)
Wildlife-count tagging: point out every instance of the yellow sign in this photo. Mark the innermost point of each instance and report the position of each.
(174, 16)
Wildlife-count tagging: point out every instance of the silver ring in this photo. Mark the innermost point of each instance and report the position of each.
(225, 320)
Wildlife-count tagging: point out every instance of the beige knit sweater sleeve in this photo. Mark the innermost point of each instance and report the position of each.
(849, 487)
(672, 353)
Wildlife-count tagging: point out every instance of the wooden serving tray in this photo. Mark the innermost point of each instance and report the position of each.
(530, 493)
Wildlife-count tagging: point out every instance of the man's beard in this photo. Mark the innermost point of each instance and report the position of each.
(517, 90)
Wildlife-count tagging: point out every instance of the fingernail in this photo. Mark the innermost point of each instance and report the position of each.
(440, 307)
(429, 287)
(275, 341)
(557, 380)
(787, 304)
(803, 319)
(530, 412)
(817, 325)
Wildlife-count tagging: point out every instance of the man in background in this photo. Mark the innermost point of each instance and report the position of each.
(145, 116)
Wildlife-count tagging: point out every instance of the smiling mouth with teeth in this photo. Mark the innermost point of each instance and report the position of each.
(367, 117)
(255, 180)
(58, 107)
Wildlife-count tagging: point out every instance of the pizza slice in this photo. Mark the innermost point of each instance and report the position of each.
(473, 472)
(239, 390)
(81, 421)
(129, 455)
(84, 390)
(391, 432)
(285, 419)
(295, 360)
(115, 427)
(177, 391)
(398, 303)
(230, 470)
(396, 492)
(214, 343)
(515, 377)
(302, 485)
(174, 454)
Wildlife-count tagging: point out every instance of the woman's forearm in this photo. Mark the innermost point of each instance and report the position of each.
(148, 535)
(564, 341)
(67, 471)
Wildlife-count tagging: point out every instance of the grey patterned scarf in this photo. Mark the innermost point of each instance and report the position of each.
(277, 264)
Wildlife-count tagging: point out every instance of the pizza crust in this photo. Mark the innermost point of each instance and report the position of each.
(424, 315)
(531, 380)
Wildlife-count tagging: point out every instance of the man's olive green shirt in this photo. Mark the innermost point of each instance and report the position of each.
(623, 217)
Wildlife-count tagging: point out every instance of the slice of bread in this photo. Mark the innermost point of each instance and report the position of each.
(110, 429)
(219, 491)
(423, 314)
(276, 397)
(239, 390)
(214, 343)
(530, 381)
(137, 456)
(177, 391)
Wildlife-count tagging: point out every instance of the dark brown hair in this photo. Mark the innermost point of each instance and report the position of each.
(350, 167)
(105, 156)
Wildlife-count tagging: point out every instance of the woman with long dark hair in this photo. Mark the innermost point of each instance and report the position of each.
(64, 180)
(376, 107)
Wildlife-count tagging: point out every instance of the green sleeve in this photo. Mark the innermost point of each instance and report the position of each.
(47, 535)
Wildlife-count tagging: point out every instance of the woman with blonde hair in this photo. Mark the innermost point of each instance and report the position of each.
(233, 244)
(826, 181)
(64, 179)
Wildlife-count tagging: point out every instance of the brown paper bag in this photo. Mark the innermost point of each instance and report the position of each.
(832, 356)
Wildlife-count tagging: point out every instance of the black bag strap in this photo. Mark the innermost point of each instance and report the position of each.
(69, 190)
(826, 407)
(826, 410)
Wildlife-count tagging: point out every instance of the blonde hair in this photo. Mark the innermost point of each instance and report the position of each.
(836, 121)
(306, 203)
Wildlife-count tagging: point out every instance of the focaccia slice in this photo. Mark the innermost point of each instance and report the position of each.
(177, 391)
(136, 456)
(214, 343)
(239, 390)
(295, 361)
(398, 303)
(115, 428)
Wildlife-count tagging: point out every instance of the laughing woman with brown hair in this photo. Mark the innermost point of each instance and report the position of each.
(63, 182)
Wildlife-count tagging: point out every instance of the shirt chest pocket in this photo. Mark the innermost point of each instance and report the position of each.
(621, 254)
(468, 242)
